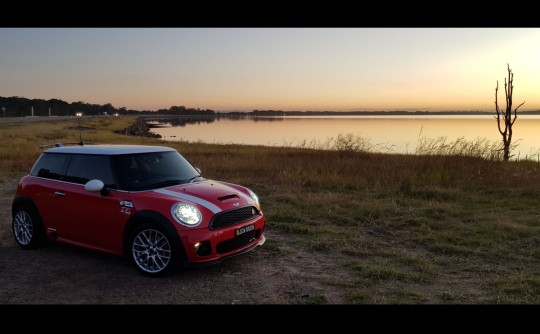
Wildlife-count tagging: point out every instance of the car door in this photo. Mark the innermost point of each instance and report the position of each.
(47, 189)
(91, 218)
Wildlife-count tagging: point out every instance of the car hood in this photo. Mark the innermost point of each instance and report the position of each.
(213, 195)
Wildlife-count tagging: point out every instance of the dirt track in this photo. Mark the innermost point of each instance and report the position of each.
(61, 274)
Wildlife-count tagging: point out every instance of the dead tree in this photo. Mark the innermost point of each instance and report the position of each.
(505, 125)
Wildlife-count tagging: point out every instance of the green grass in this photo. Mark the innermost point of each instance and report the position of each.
(317, 300)
(445, 227)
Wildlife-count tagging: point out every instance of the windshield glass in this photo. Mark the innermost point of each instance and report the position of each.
(153, 170)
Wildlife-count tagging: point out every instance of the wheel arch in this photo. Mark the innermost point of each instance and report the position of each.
(148, 216)
(21, 200)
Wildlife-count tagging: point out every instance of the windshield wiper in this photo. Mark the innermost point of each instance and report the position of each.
(165, 183)
(193, 178)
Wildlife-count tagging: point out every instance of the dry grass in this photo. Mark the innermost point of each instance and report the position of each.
(449, 225)
(479, 147)
(20, 141)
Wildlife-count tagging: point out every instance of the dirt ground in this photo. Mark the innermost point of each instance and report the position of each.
(276, 273)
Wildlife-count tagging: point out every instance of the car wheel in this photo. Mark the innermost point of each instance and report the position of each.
(154, 251)
(27, 227)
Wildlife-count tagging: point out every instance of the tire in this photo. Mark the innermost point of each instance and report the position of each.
(154, 251)
(27, 227)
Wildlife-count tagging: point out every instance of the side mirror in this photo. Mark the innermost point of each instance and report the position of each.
(95, 186)
(198, 170)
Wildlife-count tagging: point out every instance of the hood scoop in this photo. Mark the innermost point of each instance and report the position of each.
(228, 198)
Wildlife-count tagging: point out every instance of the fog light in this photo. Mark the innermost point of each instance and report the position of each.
(203, 248)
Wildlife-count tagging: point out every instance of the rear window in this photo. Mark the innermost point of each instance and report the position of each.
(51, 166)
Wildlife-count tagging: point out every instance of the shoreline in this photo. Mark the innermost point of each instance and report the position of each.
(139, 128)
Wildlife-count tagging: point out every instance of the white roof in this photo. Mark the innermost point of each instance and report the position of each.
(109, 149)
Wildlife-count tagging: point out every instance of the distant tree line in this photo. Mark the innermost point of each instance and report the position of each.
(19, 106)
(323, 113)
(16, 106)
(368, 113)
(183, 111)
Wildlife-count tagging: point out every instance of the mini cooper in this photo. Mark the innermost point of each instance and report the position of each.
(146, 202)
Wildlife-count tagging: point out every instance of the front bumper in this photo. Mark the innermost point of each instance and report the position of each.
(189, 264)
(206, 246)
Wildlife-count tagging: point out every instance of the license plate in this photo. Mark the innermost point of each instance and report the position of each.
(245, 229)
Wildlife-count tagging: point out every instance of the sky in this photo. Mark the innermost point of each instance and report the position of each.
(223, 69)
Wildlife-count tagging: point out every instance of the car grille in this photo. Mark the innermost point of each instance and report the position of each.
(237, 242)
(233, 217)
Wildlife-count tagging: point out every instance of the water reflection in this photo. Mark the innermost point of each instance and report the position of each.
(181, 121)
(401, 133)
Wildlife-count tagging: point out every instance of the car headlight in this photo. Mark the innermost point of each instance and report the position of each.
(255, 197)
(186, 214)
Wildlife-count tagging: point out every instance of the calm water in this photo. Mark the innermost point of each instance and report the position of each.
(399, 133)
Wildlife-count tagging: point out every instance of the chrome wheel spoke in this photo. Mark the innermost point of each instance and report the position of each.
(140, 243)
(151, 251)
(22, 227)
(26, 237)
(148, 262)
(146, 240)
(160, 263)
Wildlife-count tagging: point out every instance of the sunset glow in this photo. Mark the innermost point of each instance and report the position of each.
(272, 68)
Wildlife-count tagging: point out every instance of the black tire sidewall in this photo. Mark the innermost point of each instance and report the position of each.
(174, 242)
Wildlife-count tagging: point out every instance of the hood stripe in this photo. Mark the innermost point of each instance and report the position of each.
(206, 204)
(247, 198)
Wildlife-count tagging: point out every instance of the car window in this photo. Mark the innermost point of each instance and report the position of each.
(84, 168)
(146, 170)
(51, 166)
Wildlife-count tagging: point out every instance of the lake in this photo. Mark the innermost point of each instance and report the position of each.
(394, 134)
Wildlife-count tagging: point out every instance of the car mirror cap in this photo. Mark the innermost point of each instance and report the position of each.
(94, 185)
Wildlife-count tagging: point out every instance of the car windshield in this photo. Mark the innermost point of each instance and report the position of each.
(154, 170)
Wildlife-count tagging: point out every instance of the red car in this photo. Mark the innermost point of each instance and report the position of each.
(145, 201)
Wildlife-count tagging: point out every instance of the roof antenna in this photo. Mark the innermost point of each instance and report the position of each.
(80, 132)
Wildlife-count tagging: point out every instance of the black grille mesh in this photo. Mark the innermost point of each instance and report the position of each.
(238, 242)
(233, 217)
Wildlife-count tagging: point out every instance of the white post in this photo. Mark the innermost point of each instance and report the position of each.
(49, 112)
(32, 111)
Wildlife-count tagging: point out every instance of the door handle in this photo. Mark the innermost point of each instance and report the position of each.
(58, 193)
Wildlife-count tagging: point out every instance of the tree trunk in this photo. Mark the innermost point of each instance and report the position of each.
(505, 127)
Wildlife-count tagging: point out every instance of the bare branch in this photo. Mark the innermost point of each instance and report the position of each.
(497, 109)
(509, 118)
(515, 112)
